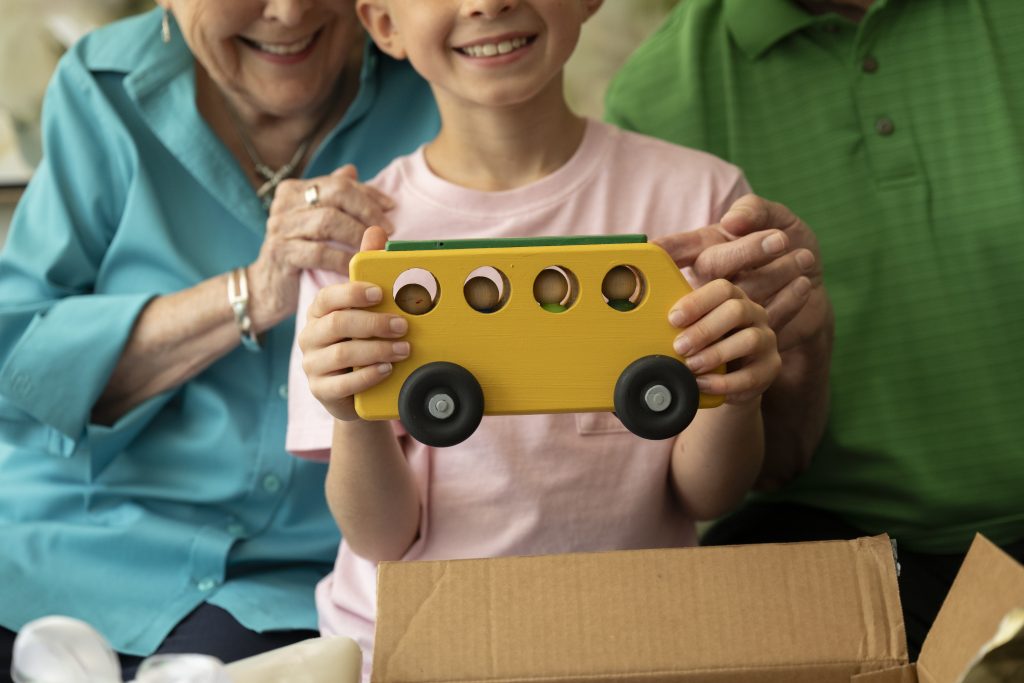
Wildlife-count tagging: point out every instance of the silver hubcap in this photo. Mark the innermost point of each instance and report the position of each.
(441, 406)
(658, 398)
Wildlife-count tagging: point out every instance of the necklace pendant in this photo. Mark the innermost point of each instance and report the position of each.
(266, 198)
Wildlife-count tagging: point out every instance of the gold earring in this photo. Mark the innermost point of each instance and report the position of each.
(165, 27)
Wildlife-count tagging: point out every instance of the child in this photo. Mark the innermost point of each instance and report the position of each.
(512, 160)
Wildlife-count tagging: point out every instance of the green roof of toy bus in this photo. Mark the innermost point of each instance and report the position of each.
(506, 242)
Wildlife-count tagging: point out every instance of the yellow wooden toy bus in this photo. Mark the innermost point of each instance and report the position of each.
(550, 325)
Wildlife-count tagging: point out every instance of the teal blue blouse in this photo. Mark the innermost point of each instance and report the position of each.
(190, 497)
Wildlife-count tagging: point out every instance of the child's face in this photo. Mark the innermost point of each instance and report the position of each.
(492, 53)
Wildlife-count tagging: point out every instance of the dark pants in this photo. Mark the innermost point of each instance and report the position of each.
(208, 630)
(924, 579)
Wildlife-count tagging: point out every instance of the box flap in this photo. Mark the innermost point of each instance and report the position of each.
(990, 583)
(803, 611)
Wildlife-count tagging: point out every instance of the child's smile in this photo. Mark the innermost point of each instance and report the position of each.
(481, 53)
(500, 46)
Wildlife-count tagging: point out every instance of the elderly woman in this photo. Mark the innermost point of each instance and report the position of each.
(146, 307)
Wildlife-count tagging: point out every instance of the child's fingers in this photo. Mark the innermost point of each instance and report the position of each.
(730, 315)
(343, 296)
(749, 342)
(336, 391)
(744, 384)
(353, 353)
(374, 239)
(701, 301)
(350, 324)
(360, 324)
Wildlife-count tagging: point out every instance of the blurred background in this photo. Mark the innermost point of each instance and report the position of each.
(34, 34)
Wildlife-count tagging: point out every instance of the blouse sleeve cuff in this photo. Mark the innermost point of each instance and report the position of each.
(63, 361)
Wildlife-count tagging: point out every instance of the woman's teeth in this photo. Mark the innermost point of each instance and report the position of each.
(285, 48)
(492, 49)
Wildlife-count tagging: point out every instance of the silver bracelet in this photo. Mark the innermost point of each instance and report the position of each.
(238, 298)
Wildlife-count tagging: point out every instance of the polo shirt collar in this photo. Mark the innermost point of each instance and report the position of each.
(757, 25)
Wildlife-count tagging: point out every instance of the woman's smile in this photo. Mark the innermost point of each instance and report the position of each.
(283, 52)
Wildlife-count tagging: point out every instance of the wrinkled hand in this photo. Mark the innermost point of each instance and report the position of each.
(339, 336)
(300, 236)
(723, 326)
(768, 252)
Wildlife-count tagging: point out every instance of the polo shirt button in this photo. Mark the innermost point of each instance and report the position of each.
(884, 126)
(271, 483)
(236, 529)
(207, 584)
(282, 391)
(870, 65)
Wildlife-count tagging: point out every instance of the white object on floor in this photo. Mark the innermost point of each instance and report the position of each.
(62, 650)
(59, 649)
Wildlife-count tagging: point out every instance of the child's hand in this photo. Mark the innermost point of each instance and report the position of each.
(723, 326)
(339, 336)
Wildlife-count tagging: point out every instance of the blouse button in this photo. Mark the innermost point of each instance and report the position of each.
(271, 483)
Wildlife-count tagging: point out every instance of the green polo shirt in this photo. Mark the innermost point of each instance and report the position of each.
(901, 141)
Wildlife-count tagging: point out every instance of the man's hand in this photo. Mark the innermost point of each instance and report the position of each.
(772, 255)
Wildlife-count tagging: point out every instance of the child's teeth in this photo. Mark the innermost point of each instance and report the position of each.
(492, 49)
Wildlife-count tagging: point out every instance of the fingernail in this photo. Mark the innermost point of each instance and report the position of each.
(695, 363)
(704, 382)
(400, 349)
(773, 244)
(802, 286)
(805, 260)
(682, 345)
(675, 317)
(373, 294)
(398, 325)
(384, 368)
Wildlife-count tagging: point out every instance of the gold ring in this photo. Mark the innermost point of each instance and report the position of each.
(312, 195)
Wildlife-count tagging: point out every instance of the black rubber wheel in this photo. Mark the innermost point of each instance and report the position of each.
(426, 384)
(645, 373)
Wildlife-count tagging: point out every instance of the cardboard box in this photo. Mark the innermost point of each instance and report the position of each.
(800, 613)
(989, 585)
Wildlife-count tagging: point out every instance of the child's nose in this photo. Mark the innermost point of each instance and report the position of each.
(488, 9)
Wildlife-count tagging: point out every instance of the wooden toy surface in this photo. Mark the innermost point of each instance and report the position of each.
(527, 359)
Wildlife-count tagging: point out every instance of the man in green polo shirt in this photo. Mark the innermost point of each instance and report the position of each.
(896, 130)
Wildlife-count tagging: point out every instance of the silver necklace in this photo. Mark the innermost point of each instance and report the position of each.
(272, 178)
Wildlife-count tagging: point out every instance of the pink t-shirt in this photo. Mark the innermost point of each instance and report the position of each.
(528, 484)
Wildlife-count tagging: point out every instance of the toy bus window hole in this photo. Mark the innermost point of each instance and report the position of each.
(416, 291)
(623, 288)
(555, 288)
(486, 289)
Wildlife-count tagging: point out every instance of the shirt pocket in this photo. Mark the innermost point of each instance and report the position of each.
(599, 423)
